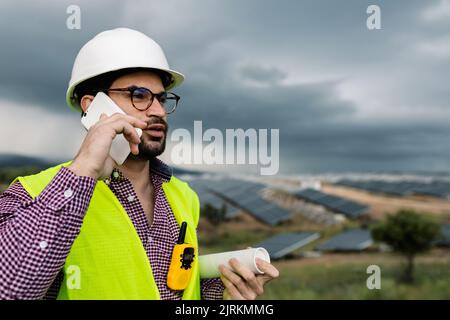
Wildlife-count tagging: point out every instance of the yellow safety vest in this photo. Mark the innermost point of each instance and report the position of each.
(108, 252)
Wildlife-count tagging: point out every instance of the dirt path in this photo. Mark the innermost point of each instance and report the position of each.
(333, 259)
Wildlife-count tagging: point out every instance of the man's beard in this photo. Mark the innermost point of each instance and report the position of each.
(152, 147)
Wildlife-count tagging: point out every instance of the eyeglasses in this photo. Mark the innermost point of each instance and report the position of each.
(142, 98)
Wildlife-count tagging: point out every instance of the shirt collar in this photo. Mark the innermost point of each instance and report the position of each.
(161, 168)
(157, 167)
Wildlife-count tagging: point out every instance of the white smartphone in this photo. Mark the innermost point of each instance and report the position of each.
(120, 147)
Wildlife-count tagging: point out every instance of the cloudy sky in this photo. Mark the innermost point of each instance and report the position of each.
(345, 98)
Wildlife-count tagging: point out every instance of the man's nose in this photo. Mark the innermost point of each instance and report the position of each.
(156, 109)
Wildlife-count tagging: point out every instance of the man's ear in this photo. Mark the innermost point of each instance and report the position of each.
(86, 102)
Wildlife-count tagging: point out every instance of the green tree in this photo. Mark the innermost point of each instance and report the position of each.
(408, 233)
(213, 214)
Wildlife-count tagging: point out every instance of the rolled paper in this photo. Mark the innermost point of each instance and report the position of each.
(209, 264)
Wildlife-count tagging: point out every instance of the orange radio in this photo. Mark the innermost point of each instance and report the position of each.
(180, 269)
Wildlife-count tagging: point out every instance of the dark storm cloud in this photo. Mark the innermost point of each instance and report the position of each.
(267, 64)
(262, 75)
(286, 107)
(361, 148)
(37, 49)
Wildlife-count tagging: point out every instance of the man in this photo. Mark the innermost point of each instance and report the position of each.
(93, 229)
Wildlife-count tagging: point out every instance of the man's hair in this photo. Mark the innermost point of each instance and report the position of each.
(104, 81)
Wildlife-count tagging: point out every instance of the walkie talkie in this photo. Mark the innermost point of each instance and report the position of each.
(180, 269)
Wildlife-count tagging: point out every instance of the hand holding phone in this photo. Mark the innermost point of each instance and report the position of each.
(120, 147)
(94, 156)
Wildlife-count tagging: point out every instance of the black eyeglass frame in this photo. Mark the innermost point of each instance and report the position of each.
(132, 89)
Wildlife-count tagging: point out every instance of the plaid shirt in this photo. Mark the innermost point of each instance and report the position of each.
(36, 234)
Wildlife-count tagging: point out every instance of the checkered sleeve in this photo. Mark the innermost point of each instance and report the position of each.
(36, 234)
(212, 289)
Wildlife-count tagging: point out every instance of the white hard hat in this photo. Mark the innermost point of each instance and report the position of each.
(114, 50)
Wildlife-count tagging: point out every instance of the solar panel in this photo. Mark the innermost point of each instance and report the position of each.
(232, 212)
(391, 188)
(243, 194)
(355, 212)
(311, 194)
(352, 209)
(266, 211)
(227, 185)
(374, 186)
(237, 190)
(222, 185)
(241, 191)
(256, 203)
(436, 188)
(282, 244)
(351, 240)
(328, 200)
(340, 202)
(405, 188)
(205, 196)
(275, 217)
(349, 208)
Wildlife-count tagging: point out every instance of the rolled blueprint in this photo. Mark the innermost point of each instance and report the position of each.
(209, 264)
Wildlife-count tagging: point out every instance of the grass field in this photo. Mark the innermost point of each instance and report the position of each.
(333, 275)
(345, 278)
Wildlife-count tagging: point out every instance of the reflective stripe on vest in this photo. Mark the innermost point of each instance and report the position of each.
(108, 255)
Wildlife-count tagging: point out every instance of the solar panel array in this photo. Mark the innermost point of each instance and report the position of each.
(241, 194)
(349, 208)
(205, 196)
(351, 240)
(282, 244)
(439, 189)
